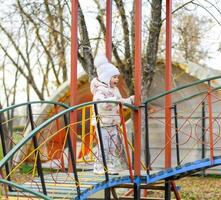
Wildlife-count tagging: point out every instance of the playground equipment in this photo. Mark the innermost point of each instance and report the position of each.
(194, 126)
(195, 144)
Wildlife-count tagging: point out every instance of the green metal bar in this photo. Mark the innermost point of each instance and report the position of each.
(195, 95)
(19, 186)
(180, 88)
(34, 102)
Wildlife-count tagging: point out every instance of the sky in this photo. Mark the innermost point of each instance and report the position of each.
(210, 9)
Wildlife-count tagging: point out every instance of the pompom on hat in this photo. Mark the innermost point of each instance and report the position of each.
(105, 70)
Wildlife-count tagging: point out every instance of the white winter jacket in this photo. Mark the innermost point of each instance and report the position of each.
(108, 112)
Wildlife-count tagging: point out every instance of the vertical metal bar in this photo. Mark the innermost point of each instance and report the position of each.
(108, 29)
(60, 144)
(203, 133)
(137, 102)
(175, 191)
(83, 137)
(101, 143)
(136, 191)
(203, 129)
(210, 122)
(107, 194)
(147, 144)
(72, 157)
(4, 151)
(177, 135)
(108, 54)
(168, 84)
(39, 166)
(107, 191)
(137, 88)
(167, 190)
(126, 142)
(91, 134)
(74, 57)
(10, 115)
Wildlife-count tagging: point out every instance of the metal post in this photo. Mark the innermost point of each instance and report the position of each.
(72, 157)
(108, 29)
(147, 145)
(168, 84)
(174, 188)
(4, 150)
(126, 142)
(136, 191)
(107, 191)
(74, 57)
(203, 133)
(39, 166)
(137, 89)
(210, 122)
(167, 190)
(177, 135)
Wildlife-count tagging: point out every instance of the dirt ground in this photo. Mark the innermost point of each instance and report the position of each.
(192, 188)
(196, 188)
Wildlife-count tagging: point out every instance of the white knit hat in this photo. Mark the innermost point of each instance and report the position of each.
(105, 70)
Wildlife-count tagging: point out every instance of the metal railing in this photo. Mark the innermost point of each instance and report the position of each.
(40, 137)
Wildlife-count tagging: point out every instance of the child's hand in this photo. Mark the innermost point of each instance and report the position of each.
(122, 100)
(129, 100)
(132, 99)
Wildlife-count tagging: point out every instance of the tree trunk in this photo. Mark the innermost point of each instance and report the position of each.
(152, 47)
(150, 62)
(4, 130)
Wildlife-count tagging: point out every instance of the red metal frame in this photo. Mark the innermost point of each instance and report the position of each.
(109, 29)
(137, 117)
(210, 123)
(137, 89)
(74, 58)
(168, 70)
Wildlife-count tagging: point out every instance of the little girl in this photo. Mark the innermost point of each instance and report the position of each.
(104, 87)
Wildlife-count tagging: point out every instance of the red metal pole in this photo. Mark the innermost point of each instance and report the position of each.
(74, 53)
(137, 88)
(210, 123)
(126, 142)
(108, 29)
(168, 84)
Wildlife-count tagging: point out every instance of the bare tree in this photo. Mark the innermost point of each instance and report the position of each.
(152, 46)
(190, 31)
(42, 54)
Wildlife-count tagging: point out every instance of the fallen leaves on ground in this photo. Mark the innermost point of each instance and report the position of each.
(195, 188)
